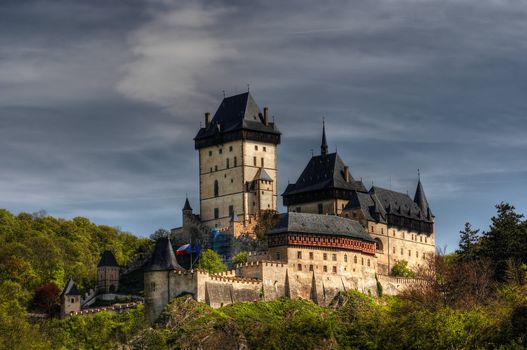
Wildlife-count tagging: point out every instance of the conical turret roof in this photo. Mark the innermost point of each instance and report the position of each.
(187, 205)
(421, 201)
(163, 257)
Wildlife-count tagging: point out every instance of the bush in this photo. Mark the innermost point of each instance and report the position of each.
(211, 261)
(401, 269)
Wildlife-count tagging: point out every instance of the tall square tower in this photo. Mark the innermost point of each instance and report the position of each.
(237, 162)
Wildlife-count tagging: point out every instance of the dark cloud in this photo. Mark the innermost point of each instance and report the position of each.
(100, 100)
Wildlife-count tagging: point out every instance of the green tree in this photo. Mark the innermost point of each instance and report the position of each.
(240, 258)
(211, 261)
(401, 269)
(468, 243)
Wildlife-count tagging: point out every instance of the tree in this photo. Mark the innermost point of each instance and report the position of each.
(47, 297)
(401, 269)
(468, 243)
(506, 239)
(160, 233)
(240, 258)
(211, 261)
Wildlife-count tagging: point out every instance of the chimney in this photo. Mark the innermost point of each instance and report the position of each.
(266, 116)
(207, 120)
(347, 174)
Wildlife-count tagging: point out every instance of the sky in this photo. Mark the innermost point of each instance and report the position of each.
(100, 100)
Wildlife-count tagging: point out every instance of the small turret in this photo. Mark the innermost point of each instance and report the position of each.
(107, 273)
(158, 280)
(186, 211)
(420, 200)
(70, 299)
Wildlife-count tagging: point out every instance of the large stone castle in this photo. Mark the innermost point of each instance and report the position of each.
(336, 234)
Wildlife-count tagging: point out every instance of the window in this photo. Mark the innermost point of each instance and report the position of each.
(216, 213)
(426, 240)
(402, 251)
(334, 269)
(262, 163)
(211, 170)
(368, 262)
(235, 161)
(420, 238)
(215, 168)
(256, 148)
(394, 250)
(299, 267)
(152, 286)
(362, 261)
(393, 232)
(311, 255)
(320, 208)
(382, 231)
(72, 300)
(345, 257)
(265, 149)
(416, 254)
(231, 210)
(355, 259)
(310, 267)
(228, 163)
(409, 253)
(334, 257)
(230, 148)
(220, 151)
(325, 256)
(210, 153)
(424, 255)
(216, 188)
(325, 269)
(299, 255)
(254, 161)
(378, 245)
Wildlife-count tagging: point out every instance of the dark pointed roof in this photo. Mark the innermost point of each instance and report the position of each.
(320, 224)
(187, 205)
(163, 257)
(420, 199)
(70, 289)
(379, 202)
(235, 113)
(107, 259)
(323, 172)
(324, 144)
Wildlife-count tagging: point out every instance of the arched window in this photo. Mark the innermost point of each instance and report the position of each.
(378, 245)
(355, 259)
(216, 188)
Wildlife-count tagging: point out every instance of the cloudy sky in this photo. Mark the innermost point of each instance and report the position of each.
(100, 100)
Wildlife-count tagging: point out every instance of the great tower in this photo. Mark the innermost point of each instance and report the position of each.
(237, 162)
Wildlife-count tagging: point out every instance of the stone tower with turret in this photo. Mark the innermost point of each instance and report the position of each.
(237, 162)
(107, 273)
(158, 277)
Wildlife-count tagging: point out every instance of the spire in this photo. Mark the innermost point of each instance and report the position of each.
(187, 205)
(324, 145)
(420, 198)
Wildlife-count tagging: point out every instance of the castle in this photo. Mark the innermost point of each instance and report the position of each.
(336, 234)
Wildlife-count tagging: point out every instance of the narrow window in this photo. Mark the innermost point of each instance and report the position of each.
(362, 261)
(394, 250)
(409, 253)
(235, 161)
(254, 161)
(320, 208)
(210, 153)
(216, 188)
(325, 269)
(310, 267)
(372, 229)
(265, 149)
(368, 262)
(416, 254)
(231, 210)
(334, 269)
(311, 255)
(230, 148)
(402, 251)
(215, 168)
(325, 256)
(152, 286)
(256, 148)
(228, 166)
(216, 213)
(221, 151)
(334, 257)
(299, 255)
(345, 257)
(262, 163)
(355, 259)
(72, 300)
(382, 231)
(299, 267)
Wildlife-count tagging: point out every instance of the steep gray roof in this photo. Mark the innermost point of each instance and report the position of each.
(70, 289)
(324, 172)
(261, 174)
(239, 112)
(320, 224)
(163, 257)
(379, 202)
(420, 200)
(107, 259)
